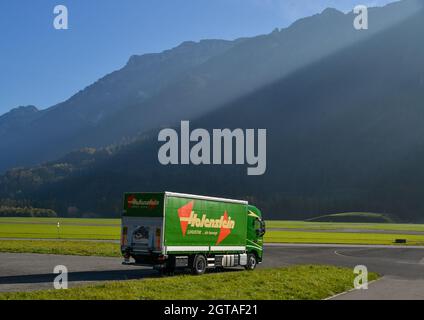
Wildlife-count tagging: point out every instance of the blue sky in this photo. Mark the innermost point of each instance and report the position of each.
(43, 66)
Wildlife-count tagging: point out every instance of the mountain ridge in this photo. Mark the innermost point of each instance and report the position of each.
(186, 81)
(344, 134)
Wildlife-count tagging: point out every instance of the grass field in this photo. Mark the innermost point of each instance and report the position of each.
(78, 248)
(54, 221)
(290, 283)
(340, 238)
(47, 229)
(344, 226)
(109, 229)
(111, 249)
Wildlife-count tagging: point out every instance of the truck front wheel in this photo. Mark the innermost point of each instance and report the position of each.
(199, 264)
(251, 261)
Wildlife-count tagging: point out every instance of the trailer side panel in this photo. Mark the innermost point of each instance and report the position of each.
(199, 225)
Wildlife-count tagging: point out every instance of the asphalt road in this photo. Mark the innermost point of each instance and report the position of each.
(402, 268)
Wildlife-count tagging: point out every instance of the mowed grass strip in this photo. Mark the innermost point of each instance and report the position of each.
(340, 238)
(78, 248)
(110, 249)
(307, 282)
(54, 221)
(343, 225)
(92, 229)
(50, 231)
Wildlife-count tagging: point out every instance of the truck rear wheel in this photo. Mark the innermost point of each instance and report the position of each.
(199, 264)
(251, 262)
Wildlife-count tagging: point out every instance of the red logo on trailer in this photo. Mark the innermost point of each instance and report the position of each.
(188, 217)
(132, 202)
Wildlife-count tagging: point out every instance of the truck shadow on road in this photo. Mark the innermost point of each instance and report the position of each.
(90, 276)
(82, 276)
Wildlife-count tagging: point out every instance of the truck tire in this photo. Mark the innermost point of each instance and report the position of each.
(219, 269)
(251, 262)
(199, 264)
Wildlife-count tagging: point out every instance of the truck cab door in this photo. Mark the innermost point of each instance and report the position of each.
(255, 232)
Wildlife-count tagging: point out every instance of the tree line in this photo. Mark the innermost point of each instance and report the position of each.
(26, 212)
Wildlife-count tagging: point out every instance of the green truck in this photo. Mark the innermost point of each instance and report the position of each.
(169, 230)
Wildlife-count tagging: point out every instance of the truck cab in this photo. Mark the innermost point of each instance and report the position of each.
(255, 234)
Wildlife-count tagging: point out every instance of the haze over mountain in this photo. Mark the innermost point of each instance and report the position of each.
(17, 118)
(343, 109)
(71, 124)
(155, 90)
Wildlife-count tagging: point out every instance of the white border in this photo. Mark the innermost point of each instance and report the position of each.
(186, 248)
(228, 248)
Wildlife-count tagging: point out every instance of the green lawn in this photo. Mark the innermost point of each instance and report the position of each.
(66, 231)
(78, 248)
(54, 221)
(108, 249)
(110, 232)
(343, 225)
(109, 229)
(340, 238)
(290, 283)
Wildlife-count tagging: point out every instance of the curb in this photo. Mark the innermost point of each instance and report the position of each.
(351, 290)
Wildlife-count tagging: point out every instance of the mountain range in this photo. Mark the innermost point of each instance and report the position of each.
(343, 110)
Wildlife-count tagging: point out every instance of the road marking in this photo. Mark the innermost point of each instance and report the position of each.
(407, 262)
(340, 254)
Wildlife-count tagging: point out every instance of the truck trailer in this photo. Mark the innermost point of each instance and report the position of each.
(168, 230)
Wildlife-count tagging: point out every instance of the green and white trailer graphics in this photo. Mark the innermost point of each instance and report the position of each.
(170, 230)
